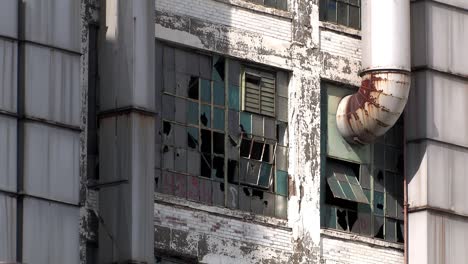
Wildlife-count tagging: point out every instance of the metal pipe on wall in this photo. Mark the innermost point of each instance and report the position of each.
(375, 108)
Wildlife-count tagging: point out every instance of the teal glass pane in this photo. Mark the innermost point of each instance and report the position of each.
(331, 218)
(218, 93)
(340, 176)
(192, 113)
(205, 87)
(205, 115)
(265, 172)
(246, 122)
(352, 179)
(390, 229)
(357, 190)
(282, 182)
(348, 191)
(335, 188)
(234, 97)
(218, 118)
(378, 203)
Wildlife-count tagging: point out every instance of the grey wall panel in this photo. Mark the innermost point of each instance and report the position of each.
(437, 176)
(8, 132)
(50, 233)
(52, 85)
(8, 69)
(7, 228)
(51, 162)
(9, 18)
(108, 149)
(437, 108)
(53, 22)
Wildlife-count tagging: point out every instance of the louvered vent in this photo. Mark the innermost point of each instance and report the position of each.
(259, 92)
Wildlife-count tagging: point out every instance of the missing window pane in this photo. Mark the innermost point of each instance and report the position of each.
(245, 147)
(193, 88)
(168, 135)
(205, 141)
(341, 219)
(218, 68)
(205, 165)
(257, 150)
(192, 137)
(218, 167)
(205, 115)
(218, 143)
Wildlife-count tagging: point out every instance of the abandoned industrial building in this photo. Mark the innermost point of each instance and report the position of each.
(234, 131)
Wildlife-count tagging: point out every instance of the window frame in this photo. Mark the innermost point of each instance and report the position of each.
(324, 13)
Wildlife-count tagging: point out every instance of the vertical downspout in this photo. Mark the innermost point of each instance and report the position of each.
(405, 200)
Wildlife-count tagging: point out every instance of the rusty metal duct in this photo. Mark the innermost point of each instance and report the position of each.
(374, 109)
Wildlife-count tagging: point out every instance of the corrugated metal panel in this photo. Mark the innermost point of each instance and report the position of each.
(53, 22)
(7, 228)
(8, 66)
(7, 153)
(50, 233)
(436, 108)
(9, 17)
(51, 163)
(52, 85)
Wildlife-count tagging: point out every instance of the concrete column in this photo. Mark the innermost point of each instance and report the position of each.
(127, 131)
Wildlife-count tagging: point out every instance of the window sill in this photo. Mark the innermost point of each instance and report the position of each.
(341, 29)
(181, 203)
(336, 234)
(258, 8)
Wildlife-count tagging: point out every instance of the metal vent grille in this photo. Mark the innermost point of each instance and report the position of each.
(259, 92)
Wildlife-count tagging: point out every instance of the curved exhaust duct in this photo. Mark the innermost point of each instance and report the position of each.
(386, 76)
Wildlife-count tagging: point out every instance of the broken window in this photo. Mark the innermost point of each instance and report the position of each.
(364, 194)
(342, 12)
(212, 152)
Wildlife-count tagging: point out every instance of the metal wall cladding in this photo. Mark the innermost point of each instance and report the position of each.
(437, 176)
(8, 73)
(51, 162)
(50, 233)
(8, 132)
(52, 85)
(441, 37)
(9, 18)
(7, 228)
(444, 238)
(53, 22)
(436, 108)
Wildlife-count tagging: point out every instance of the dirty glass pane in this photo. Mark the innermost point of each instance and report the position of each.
(218, 143)
(379, 158)
(205, 165)
(364, 178)
(390, 229)
(205, 90)
(180, 110)
(205, 191)
(233, 151)
(243, 169)
(205, 115)
(232, 196)
(352, 179)
(281, 158)
(378, 203)
(245, 195)
(331, 11)
(257, 203)
(169, 58)
(257, 125)
(205, 67)
(180, 185)
(271, 3)
(193, 87)
(218, 167)
(330, 218)
(282, 4)
(265, 174)
(354, 17)
(192, 63)
(218, 93)
(281, 206)
(168, 108)
(282, 108)
(234, 97)
(282, 134)
(390, 179)
(246, 122)
(180, 164)
(378, 180)
(180, 136)
(282, 82)
(269, 204)
(192, 113)
(169, 81)
(193, 162)
(282, 182)
(234, 72)
(218, 118)
(181, 60)
(192, 137)
(253, 169)
(218, 68)
(168, 133)
(346, 187)
(233, 124)
(193, 186)
(182, 84)
(205, 141)
(269, 128)
(323, 10)
(335, 188)
(168, 158)
(342, 10)
(400, 213)
(378, 227)
(233, 171)
(365, 225)
(360, 197)
(269, 151)
(167, 182)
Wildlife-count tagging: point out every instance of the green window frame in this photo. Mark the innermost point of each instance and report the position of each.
(341, 12)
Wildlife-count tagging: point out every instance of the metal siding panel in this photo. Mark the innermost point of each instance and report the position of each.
(9, 18)
(7, 228)
(53, 22)
(8, 74)
(52, 85)
(8, 132)
(51, 163)
(50, 233)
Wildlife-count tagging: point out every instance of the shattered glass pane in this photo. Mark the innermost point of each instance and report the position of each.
(168, 133)
(192, 113)
(245, 147)
(378, 227)
(341, 219)
(205, 90)
(218, 118)
(218, 93)
(218, 68)
(192, 137)
(399, 232)
(378, 203)
(218, 167)
(218, 143)
(282, 182)
(234, 97)
(246, 122)
(352, 222)
(265, 175)
(378, 180)
(205, 115)
(364, 220)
